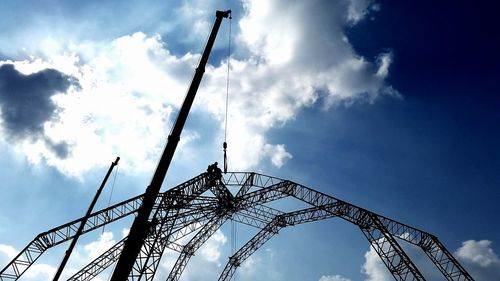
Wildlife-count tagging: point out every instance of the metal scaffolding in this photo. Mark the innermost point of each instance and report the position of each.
(197, 208)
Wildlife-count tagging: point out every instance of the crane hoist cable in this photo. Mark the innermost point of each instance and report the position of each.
(224, 145)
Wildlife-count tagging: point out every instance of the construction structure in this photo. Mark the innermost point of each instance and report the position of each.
(197, 208)
(200, 206)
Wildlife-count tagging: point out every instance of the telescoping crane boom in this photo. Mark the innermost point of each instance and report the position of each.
(84, 222)
(140, 226)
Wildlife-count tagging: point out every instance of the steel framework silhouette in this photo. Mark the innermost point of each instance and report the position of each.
(198, 207)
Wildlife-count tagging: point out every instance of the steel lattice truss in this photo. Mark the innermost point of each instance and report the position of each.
(196, 208)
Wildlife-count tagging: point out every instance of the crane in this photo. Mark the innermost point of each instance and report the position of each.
(140, 226)
(198, 207)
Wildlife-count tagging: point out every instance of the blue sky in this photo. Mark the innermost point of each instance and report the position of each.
(391, 106)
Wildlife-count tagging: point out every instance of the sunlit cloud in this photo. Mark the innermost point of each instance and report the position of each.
(480, 259)
(333, 278)
(131, 88)
(374, 268)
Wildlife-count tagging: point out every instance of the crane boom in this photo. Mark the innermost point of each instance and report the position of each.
(84, 221)
(140, 226)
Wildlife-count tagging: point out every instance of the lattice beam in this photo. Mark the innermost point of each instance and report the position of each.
(271, 229)
(389, 251)
(99, 264)
(65, 232)
(188, 222)
(181, 210)
(446, 263)
(193, 245)
(278, 189)
(153, 246)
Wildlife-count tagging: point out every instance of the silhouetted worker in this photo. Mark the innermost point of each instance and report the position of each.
(218, 173)
(212, 173)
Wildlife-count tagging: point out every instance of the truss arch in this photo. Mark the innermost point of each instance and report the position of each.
(199, 207)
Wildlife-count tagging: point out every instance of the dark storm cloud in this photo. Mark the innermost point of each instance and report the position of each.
(25, 102)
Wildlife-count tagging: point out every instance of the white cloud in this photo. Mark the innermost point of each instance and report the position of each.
(249, 267)
(333, 278)
(8, 251)
(211, 249)
(285, 60)
(125, 232)
(204, 265)
(358, 9)
(290, 59)
(478, 252)
(123, 107)
(84, 254)
(479, 259)
(96, 248)
(198, 14)
(374, 268)
(40, 272)
(277, 154)
(384, 61)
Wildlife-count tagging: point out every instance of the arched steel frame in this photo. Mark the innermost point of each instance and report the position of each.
(200, 206)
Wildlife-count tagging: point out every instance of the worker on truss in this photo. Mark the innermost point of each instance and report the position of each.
(214, 174)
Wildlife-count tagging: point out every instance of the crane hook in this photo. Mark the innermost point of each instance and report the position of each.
(224, 146)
